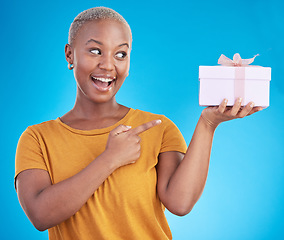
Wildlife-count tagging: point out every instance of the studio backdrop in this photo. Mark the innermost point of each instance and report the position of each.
(244, 196)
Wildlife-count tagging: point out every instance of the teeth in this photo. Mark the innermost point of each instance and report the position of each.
(103, 79)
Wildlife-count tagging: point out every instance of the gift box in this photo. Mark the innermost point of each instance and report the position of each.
(235, 78)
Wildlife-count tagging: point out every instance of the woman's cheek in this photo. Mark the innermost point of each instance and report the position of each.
(124, 69)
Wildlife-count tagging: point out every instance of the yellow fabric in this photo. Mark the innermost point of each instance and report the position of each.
(126, 205)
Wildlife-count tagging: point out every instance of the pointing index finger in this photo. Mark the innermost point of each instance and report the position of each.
(144, 127)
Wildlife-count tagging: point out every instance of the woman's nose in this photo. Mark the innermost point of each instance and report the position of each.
(106, 62)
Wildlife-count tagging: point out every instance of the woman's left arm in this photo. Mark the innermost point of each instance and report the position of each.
(181, 178)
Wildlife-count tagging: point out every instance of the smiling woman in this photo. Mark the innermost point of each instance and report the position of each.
(103, 170)
(99, 51)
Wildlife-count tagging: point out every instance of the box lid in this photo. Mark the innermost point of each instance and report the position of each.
(251, 72)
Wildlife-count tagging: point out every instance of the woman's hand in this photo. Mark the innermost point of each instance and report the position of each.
(213, 116)
(123, 145)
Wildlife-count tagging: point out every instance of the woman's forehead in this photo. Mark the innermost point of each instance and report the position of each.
(104, 29)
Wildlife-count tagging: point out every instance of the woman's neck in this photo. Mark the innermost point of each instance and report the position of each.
(92, 110)
(94, 116)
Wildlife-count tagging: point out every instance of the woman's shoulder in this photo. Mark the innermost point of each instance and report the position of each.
(145, 116)
(45, 126)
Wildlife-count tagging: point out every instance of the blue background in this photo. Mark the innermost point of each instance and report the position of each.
(243, 197)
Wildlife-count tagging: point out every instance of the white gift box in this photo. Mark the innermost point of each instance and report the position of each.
(251, 83)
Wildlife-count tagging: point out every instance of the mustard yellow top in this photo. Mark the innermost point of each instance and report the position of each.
(126, 205)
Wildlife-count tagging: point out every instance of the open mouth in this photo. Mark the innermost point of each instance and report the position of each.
(103, 84)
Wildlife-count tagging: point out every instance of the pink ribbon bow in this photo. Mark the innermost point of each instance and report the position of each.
(237, 60)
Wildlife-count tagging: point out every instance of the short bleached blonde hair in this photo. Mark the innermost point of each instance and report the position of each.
(91, 14)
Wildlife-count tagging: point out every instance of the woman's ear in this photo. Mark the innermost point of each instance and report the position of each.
(68, 54)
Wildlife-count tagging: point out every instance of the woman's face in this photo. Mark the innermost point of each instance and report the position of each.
(101, 57)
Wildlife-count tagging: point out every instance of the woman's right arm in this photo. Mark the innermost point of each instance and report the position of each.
(47, 204)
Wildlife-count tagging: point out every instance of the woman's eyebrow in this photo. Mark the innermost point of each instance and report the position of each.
(124, 44)
(93, 40)
(100, 43)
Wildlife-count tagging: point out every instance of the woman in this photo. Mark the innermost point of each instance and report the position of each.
(104, 171)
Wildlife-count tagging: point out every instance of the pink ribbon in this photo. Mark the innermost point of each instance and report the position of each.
(236, 62)
(240, 75)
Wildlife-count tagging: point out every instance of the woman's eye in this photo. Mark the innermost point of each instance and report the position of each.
(121, 55)
(96, 51)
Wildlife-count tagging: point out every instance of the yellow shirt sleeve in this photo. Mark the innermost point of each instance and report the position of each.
(172, 138)
(29, 154)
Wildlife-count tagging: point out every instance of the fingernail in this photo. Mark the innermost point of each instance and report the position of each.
(128, 127)
(240, 100)
(252, 105)
(158, 121)
(225, 100)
